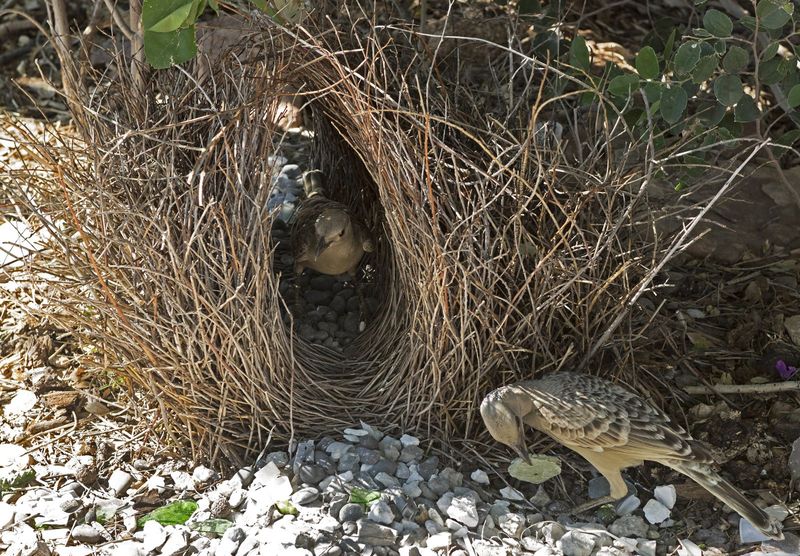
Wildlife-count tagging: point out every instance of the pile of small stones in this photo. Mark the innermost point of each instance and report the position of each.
(326, 310)
(367, 493)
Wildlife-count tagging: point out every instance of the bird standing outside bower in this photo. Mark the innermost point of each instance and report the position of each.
(612, 428)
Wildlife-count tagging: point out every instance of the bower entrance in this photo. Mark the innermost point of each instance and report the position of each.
(329, 312)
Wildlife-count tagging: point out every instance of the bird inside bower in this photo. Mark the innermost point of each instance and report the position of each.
(329, 241)
(612, 428)
(326, 236)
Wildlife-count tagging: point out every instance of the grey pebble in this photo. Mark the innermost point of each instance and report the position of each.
(375, 534)
(427, 468)
(311, 473)
(411, 453)
(86, 534)
(305, 495)
(351, 512)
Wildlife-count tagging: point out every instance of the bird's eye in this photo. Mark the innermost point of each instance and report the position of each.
(341, 233)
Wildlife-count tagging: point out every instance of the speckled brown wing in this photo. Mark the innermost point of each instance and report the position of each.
(591, 413)
(304, 237)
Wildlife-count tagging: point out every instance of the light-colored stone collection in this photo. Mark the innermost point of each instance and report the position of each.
(365, 493)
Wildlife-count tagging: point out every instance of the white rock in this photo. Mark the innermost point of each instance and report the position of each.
(22, 402)
(154, 536)
(356, 432)
(182, 480)
(202, 475)
(6, 515)
(408, 440)
(176, 543)
(577, 543)
(156, 483)
(13, 458)
(80, 550)
(487, 548)
(119, 481)
(338, 449)
(480, 477)
(512, 524)
(627, 544)
(386, 480)
(237, 497)
(463, 510)
(646, 547)
(126, 548)
(380, 512)
(628, 505)
(688, 548)
(655, 511)
(412, 489)
(748, 533)
(510, 493)
(666, 495)
(439, 541)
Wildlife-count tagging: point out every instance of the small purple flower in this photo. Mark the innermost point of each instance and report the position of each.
(786, 371)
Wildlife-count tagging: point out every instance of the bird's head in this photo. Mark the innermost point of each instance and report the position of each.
(332, 225)
(504, 421)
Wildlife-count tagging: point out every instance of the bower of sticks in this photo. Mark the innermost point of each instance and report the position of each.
(513, 232)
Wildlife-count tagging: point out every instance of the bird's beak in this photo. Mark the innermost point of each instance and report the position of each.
(521, 448)
(321, 245)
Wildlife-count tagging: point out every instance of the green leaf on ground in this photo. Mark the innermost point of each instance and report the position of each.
(175, 513)
(538, 471)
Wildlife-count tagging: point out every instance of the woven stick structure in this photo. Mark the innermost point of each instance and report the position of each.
(503, 250)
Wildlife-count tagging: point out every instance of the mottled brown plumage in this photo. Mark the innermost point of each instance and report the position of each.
(612, 428)
(325, 235)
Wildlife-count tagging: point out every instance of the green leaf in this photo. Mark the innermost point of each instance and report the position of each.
(772, 71)
(652, 91)
(794, 97)
(728, 89)
(736, 59)
(670, 44)
(285, 507)
(216, 526)
(260, 4)
(711, 114)
(529, 7)
(621, 85)
(647, 63)
(748, 22)
(23, 479)
(673, 103)
(746, 110)
(717, 23)
(770, 52)
(789, 138)
(198, 9)
(214, 5)
(686, 57)
(165, 16)
(363, 497)
(579, 53)
(701, 33)
(175, 513)
(705, 68)
(165, 49)
(538, 471)
(774, 14)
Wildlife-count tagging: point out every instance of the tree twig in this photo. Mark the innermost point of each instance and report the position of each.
(771, 387)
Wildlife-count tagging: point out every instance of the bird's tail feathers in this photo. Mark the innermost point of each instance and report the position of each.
(710, 480)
